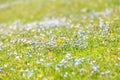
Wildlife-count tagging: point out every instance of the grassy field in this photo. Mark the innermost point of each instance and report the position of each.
(59, 40)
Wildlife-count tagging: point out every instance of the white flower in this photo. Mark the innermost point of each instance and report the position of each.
(118, 58)
(49, 64)
(66, 74)
(11, 69)
(45, 78)
(73, 73)
(106, 72)
(5, 65)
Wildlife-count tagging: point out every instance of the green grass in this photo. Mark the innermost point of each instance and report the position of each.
(76, 48)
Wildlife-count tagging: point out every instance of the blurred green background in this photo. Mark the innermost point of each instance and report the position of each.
(29, 10)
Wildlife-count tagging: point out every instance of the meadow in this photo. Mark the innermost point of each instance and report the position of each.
(59, 39)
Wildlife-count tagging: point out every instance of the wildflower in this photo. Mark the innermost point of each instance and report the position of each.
(112, 35)
(106, 72)
(49, 64)
(30, 73)
(45, 38)
(45, 78)
(15, 52)
(56, 68)
(73, 73)
(60, 41)
(42, 60)
(23, 75)
(119, 58)
(68, 55)
(115, 64)
(77, 62)
(82, 70)
(28, 63)
(17, 58)
(1, 43)
(88, 58)
(5, 65)
(63, 61)
(11, 69)
(95, 68)
(0, 69)
(29, 55)
(66, 74)
(101, 23)
(49, 53)
(27, 70)
(37, 62)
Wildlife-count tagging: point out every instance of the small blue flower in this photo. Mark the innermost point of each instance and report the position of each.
(88, 58)
(101, 23)
(30, 74)
(82, 70)
(95, 68)
(77, 62)
(0, 69)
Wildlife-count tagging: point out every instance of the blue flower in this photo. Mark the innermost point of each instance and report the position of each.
(0, 69)
(88, 58)
(95, 68)
(82, 70)
(77, 62)
(30, 74)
